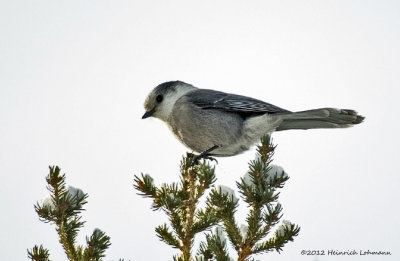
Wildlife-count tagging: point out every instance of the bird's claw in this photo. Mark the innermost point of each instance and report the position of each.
(204, 155)
(197, 158)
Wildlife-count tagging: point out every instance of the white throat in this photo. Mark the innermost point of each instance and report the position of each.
(164, 110)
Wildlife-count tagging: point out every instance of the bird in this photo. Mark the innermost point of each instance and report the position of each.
(212, 123)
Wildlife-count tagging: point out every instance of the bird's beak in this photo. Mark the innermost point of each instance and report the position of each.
(148, 114)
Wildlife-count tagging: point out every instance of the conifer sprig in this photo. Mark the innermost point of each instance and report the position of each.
(259, 190)
(63, 208)
(39, 253)
(180, 203)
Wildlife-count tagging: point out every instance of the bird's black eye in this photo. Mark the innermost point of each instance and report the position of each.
(159, 98)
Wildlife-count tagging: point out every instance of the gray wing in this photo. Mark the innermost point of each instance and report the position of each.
(246, 106)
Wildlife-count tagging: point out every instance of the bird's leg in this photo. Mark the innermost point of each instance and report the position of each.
(204, 155)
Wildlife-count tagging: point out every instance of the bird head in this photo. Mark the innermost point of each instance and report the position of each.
(160, 101)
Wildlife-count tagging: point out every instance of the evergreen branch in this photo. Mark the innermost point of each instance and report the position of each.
(189, 176)
(205, 219)
(258, 188)
(204, 253)
(217, 246)
(254, 225)
(283, 235)
(272, 215)
(178, 258)
(176, 220)
(225, 208)
(179, 202)
(266, 150)
(255, 187)
(45, 213)
(97, 244)
(38, 253)
(80, 252)
(206, 177)
(168, 197)
(67, 232)
(63, 207)
(56, 183)
(75, 199)
(275, 179)
(146, 186)
(256, 195)
(175, 217)
(233, 232)
(166, 236)
(255, 230)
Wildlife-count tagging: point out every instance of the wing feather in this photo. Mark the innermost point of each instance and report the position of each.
(246, 106)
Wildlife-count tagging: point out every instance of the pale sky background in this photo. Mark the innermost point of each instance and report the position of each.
(74, 75)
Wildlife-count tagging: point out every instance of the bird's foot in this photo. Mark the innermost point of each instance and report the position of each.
(204, 155)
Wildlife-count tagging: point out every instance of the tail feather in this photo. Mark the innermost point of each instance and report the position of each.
(319, 118)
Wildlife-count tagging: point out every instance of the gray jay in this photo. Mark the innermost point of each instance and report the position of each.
(222, 124)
